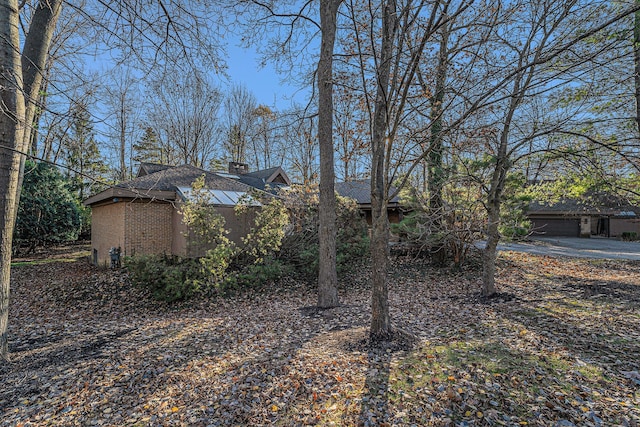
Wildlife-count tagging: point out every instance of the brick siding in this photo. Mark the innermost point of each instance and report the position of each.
(107, 231)
(148, 228)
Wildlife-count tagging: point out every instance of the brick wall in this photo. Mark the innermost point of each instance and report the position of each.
(107, 231)
(144, 227)
(148, 228)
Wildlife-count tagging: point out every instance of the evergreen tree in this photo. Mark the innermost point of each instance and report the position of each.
(148, 149)
(48, 211)
(82, 156)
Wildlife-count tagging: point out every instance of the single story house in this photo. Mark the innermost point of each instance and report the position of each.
(360, 191)
(142, 216)
(598, 215)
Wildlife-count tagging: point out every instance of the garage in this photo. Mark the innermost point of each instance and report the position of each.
(566, 227)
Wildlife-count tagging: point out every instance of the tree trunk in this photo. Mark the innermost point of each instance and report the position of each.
(327, 276)
(636, 58)
(34, 56)
(435, 158)
(34, 59)
(12, 130)
(491, 250)
(380, 319)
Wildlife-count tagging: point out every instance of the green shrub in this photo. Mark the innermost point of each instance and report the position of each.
(168, 278)
(629, 235)
(265, 237)
(255, 276)
(300, 246)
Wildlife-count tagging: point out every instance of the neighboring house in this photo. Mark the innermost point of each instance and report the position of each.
(360, 191)
(142, 216)
(600, 215)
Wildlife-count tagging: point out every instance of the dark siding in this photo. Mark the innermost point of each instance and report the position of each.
(567, 227)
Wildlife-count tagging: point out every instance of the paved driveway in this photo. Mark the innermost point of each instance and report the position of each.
(595, 247)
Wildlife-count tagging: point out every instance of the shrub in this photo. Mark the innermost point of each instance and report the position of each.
(300, 246)
(168, 278)
(265, 237)
(448, 234)
(254, 276)
(629, 235)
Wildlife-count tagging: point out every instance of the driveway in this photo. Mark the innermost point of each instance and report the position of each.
(595, 247)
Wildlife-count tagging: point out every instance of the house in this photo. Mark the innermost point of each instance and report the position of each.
(360, 191)
(603, 215)
(142, 216)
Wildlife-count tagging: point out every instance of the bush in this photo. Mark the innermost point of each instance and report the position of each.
(629, 236)
(300, 246)
(168, 278)
(255, 276)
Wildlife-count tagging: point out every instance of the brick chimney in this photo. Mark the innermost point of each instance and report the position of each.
(238, 168)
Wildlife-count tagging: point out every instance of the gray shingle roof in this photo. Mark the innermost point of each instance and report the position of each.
(262, 174)
(149, 168)
(171, 178)
(591, 204)
(360, 191)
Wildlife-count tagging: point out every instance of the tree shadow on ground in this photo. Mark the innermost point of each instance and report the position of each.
(374, 404)
(374, 407)
(623, 293)
(593, 318)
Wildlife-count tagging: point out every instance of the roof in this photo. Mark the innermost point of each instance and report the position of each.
(149, 168)
(594, 204)
(360, 191)
(222, 197)
(273, 178)
(261, 184)
(182, 176)
(165, 182)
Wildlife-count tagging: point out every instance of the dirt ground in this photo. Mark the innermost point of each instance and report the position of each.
(560, 346)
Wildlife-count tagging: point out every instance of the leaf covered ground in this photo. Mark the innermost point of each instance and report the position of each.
(560, 346)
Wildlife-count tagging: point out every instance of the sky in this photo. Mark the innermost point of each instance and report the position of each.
(245, 68)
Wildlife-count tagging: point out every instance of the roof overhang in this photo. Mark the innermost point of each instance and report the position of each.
(117, 194)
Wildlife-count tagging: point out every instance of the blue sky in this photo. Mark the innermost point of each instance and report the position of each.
(264, 82)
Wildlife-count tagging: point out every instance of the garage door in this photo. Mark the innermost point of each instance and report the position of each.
(568, 227)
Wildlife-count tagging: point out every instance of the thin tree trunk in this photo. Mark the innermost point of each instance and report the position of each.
(380, 319)
(494, 200)
(435, 158)
(636, 58)
(491, 251)
(328, 276)
(12, 130)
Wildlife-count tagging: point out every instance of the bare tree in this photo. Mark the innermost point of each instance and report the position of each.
(185, 115)
(123, 118)
(265, 148)
(300, 137)
(239, 118)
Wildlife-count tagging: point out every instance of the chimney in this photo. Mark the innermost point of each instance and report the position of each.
(238, 168)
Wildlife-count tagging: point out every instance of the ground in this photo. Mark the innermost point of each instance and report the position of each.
(558, 347)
